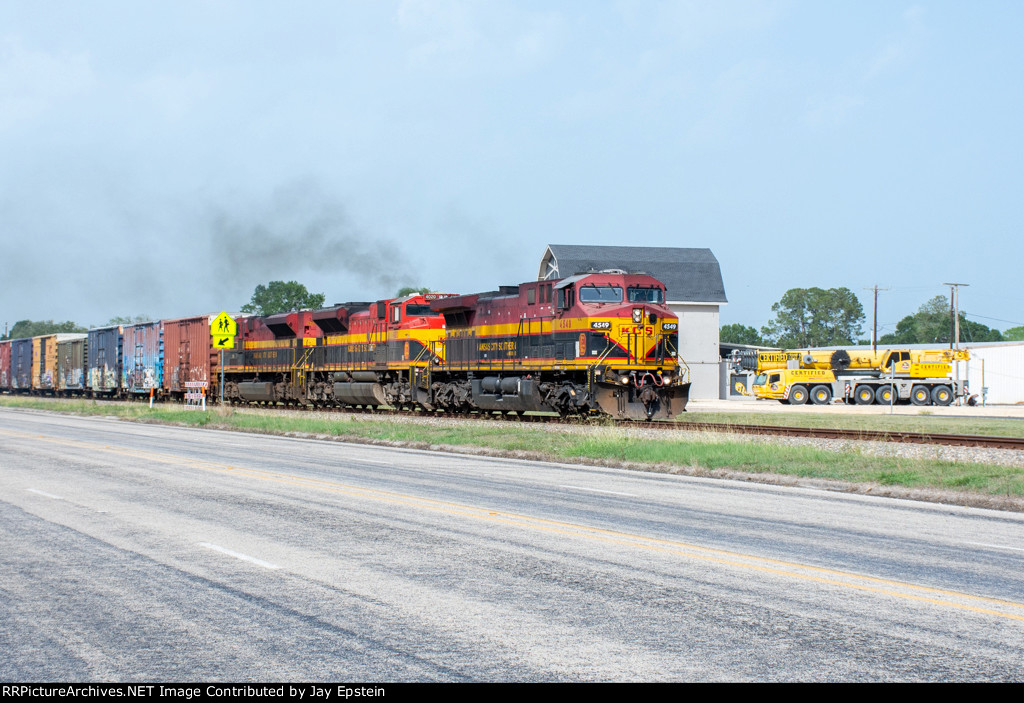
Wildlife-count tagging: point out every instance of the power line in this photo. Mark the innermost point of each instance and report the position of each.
(997, 319)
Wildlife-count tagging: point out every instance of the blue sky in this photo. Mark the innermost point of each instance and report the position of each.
(164, 158)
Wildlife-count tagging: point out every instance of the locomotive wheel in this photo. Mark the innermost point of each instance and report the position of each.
(942, 395)
(920, 395)
(798, 395)
(821, 395)
(884, 395)
(864, 395)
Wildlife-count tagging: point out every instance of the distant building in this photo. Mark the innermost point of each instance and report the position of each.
(995, 371)
(694, 291)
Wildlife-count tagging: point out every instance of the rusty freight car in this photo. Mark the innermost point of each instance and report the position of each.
(5, 366)
(188, 354)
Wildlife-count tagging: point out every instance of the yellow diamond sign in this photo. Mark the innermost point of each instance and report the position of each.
(222, 326)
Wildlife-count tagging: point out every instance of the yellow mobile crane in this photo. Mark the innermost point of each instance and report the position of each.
(921, 376)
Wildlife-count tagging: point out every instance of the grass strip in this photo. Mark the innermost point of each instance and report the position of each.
(697, 452)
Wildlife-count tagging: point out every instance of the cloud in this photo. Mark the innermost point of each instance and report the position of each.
(895, 54)
(470, 38)
(901, 48)
(33, 81)
(698, 23)
(832, 110)
(175, 95)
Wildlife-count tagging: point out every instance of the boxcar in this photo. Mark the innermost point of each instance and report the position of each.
(21, 365)
(5, 366)
(142, 355)
(45, 374)
(103, 360)
(188, 354)
(70, 374)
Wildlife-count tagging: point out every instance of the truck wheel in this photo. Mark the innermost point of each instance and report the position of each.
(942, 395)
(821, 395)
(884, 395)
(864, 395)
(797, 395)
(920, 395)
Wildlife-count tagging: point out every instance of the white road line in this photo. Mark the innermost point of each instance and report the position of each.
(995, 546)
(43, 493)
(238, 555)
(598, 490)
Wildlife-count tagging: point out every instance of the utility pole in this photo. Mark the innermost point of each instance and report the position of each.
(954, 296)
(954, 300)
(874, 326)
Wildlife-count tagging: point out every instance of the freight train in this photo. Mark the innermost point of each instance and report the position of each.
(596, 343)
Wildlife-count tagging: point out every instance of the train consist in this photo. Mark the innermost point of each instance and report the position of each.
(598, 343)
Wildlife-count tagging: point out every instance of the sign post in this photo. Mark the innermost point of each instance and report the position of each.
(223, 330)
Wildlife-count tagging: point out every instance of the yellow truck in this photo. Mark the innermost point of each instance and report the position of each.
(920, 376)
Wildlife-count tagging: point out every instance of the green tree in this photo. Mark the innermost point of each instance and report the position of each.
(402, 292)
(278, 296)
(739, 334)
(931, 325)
(971, 331)
(1014, 334)
(813, 317)
(32, 328)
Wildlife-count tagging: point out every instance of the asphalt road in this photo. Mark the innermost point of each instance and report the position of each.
(134, 552)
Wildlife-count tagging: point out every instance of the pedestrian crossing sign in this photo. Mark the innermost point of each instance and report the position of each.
(223, 326)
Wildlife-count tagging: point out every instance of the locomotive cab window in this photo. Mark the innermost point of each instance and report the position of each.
(396, 313)
(646, 295)
(531, 296)
(420, 311)
(600, 294)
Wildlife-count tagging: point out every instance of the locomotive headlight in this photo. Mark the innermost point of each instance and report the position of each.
(638, 315)
(624, 380)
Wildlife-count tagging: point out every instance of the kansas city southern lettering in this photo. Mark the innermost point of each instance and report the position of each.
(497, 346)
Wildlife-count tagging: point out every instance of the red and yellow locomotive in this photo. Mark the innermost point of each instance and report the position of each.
(349, 354)
(588, 344)
(592, 343)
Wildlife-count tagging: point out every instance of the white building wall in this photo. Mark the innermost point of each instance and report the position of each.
(1000, 368)
(698, 346)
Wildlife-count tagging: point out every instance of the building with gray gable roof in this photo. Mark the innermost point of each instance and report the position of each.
(694, 291)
